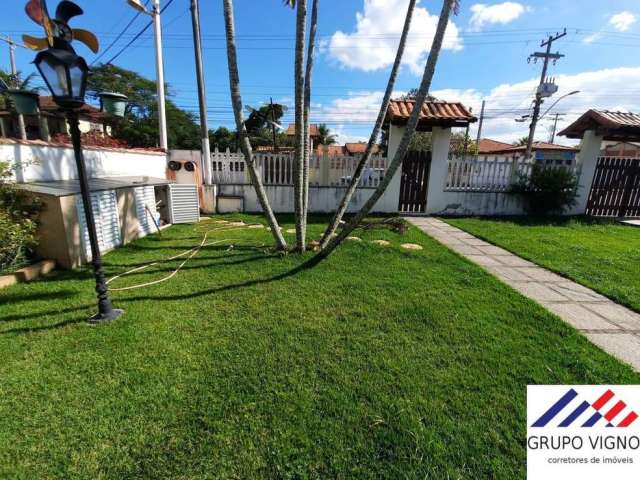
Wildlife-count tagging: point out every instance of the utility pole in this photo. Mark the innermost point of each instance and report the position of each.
(273, 126)
(555, 127)
(204, 122)
(162, 111)
(481, 121)
(547, 55)
(14, 71)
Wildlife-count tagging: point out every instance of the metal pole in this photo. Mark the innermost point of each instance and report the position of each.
(106, 312)
(273, 127)
(204, 123)
(162, 114)
(480, 126)
(555, 126)
(14, 71)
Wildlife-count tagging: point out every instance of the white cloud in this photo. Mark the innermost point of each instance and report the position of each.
(374, 43)
(603, 89)
(622, 21)
(498, 14)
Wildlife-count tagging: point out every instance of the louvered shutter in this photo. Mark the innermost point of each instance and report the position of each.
(105, 211)
(184, 204)
(146, 197)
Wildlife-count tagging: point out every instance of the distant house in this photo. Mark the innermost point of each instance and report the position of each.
(542, 151)
(621, 149)
(356, 149)
(314, 132)
(51, 122)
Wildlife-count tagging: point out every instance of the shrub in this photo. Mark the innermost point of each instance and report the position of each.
(18, 214)
(548, 190)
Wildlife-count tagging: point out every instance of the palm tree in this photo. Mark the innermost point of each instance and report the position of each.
(357, 176)
(245, 144)
(448, 7)
(298, 177)
(521, 142)
(325, 137)
(307, 113)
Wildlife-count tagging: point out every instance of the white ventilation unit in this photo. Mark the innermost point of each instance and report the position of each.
(184, 206)
(105, 211)
(146, 209)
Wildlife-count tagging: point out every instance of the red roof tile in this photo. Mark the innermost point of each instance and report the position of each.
(493, 147)
(433, 114)
(360, 148)
(611, 125)
(313, 130)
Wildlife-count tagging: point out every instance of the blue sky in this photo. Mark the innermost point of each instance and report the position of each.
(486, 55)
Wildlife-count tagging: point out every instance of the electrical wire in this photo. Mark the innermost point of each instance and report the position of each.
(138, 35)
(119, 36)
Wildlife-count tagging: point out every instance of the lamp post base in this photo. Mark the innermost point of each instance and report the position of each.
(112, 315)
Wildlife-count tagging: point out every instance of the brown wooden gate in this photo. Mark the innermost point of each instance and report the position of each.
(414, 182)
(615, 191)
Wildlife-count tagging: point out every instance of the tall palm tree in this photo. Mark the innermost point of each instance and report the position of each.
(325, 137)
(357, 176)
(307, 113)
(245, 144)
(298, 177)
(448, 6)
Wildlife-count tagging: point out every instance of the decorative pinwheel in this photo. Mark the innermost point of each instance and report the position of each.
(58, 33)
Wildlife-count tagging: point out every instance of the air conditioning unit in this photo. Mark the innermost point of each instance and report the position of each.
(183, 203)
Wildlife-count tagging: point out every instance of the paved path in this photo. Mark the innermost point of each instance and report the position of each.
(612, 327)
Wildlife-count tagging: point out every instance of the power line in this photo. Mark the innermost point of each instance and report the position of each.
(139, 34)
(119, 36)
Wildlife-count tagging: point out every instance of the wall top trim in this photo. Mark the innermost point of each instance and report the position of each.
(42, 143)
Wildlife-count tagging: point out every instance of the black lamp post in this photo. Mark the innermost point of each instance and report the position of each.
(65, 74)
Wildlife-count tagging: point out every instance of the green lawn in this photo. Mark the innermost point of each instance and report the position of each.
(602, 255)
(378, 363)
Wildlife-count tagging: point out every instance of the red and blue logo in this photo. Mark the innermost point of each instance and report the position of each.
(613, 412)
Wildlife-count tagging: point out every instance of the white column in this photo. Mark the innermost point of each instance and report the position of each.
(440, 141)
(587, 161)
(389, 201)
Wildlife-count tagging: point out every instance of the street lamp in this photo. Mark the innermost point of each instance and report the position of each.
(65, 74)
(556, 102)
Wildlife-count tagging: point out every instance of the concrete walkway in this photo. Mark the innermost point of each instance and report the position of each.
(612, 327)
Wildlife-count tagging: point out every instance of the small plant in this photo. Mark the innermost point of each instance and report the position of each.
(18, 214)
(547, 191)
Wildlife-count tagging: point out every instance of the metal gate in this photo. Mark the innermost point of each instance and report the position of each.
(615, 191)
(414, 182)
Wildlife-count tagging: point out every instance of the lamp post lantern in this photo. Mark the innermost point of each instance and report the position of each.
(65, 74)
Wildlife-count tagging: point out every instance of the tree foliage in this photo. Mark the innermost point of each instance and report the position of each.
(17, 220)
(140, 127)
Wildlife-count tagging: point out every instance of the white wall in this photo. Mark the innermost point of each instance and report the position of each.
(321, 199)
(45, 163)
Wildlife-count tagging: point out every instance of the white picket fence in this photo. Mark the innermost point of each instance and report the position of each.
(277, 169)
(492, 173)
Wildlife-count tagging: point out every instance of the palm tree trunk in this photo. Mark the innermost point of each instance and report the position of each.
(307, 114)
(245, 145)
(410, 130)
(301, 24)
(366, 158)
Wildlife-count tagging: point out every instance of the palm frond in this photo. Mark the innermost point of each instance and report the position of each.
(456, 7)
(290, 3)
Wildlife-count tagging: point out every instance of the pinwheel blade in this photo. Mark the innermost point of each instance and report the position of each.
(67, 10)
(88, 38)
(34, 11)
(35, 43)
